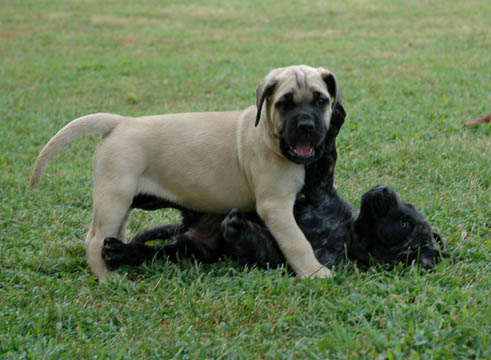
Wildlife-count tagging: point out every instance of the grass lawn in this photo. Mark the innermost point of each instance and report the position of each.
(412, 73)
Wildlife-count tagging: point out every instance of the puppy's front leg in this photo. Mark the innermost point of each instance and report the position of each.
(278, 216)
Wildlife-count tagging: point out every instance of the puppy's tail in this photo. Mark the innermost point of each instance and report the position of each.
(100, 123)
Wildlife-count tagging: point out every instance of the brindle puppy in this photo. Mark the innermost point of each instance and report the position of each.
(387, 231)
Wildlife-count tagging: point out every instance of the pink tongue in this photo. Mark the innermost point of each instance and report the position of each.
(303, 149)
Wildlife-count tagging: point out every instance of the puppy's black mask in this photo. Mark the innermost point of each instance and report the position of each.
(303, 127)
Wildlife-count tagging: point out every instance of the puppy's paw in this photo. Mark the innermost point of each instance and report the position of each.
(233, 225)
(321, 273)
(114, 253)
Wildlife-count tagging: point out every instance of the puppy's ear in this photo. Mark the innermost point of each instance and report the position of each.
(263, 91)
(332, 86)
(442, 244)
(428, 258)
(438, 239)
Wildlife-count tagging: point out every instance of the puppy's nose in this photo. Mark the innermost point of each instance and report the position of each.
(305, 122)
(383, 188)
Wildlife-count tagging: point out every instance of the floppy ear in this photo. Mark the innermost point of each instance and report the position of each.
(332, 85)
(443, 254)
(265, 89)
(438, 239)
(428, 258)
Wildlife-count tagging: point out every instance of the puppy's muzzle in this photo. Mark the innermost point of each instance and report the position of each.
(304, 147)
(380, 199)
(305, 123)
(301, 140)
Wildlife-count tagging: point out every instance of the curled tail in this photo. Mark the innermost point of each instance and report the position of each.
(100, 123)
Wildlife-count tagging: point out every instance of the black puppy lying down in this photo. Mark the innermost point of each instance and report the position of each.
(387, 230)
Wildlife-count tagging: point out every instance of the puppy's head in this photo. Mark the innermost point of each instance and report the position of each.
(395, 231)
(295, 105)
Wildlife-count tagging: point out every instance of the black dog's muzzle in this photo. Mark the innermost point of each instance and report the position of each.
(380, 199)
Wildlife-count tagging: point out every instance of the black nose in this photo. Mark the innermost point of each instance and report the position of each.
(383, 188)
(305, 122)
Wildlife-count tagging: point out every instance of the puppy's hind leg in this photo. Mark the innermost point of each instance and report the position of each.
(111, 210)
(116, 253)
(122, 228)
(164, 232)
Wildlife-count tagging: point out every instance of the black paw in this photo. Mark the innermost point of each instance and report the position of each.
(114, 253)
(233, 225)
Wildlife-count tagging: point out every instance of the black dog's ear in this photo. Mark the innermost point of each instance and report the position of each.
(263, 91)
(428, 258)
(442, 245)
(438, 239)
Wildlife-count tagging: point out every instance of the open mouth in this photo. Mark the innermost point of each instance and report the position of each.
(303, 150)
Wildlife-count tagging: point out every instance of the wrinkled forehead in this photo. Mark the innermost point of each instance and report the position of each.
(302, 82)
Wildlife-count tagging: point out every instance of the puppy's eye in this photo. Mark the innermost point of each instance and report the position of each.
(404, 224)
(321, 101)
(286, 101)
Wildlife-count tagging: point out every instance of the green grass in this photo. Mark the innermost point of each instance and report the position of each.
(412, 73)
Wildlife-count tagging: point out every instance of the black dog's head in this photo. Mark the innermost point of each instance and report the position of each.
(393, 231)
(298, 102)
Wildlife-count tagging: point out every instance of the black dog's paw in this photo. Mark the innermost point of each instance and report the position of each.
(233, 224)
(114, 253)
